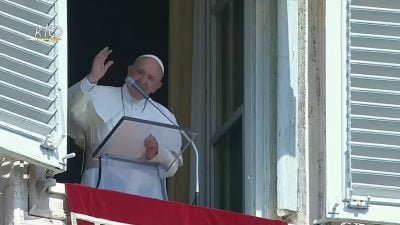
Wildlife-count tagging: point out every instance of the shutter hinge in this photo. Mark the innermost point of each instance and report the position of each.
(50, 144)
(359, 203)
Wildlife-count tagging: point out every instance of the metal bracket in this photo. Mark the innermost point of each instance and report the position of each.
(358, 203)
(52, 145)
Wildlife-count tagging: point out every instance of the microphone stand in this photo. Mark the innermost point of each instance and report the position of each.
(196, 194)
(132, 83)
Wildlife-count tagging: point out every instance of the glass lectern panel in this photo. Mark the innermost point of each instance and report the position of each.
(126, 140)
(122, 156)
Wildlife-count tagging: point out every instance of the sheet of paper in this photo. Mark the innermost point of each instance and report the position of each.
(127, 141)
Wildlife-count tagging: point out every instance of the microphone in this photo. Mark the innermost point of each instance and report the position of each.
(132, 83)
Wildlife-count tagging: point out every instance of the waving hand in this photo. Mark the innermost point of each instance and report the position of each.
(99, 67)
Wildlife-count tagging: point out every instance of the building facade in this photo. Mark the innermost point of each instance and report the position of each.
(295, 103)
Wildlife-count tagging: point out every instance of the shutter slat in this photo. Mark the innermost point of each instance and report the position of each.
(18, 130)
(380, 191)
(25, 122)
(378, 123)
(22, 67)
(374, 42)
(375, 136)
(354, 76)
(375, 56)
(372, 63)
(18, 24)
(26, 55)
(376, 164)
(26, 82)
(375, 150)
(370, 9)
(375, 69)
(375, 147)
(375, 29)
(25, 13)
(39, 5)
(375, 109)
(375, 82)
(20, 39)
(375, 132)
(375, 14)
(43, 116)
(375, 95)
(25, 96)
(375, 36)
(376, 177)
(388, 4)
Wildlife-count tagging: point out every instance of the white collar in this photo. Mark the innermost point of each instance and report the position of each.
(128, 99)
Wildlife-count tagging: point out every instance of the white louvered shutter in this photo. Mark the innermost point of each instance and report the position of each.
(33, 81)
(374, 100)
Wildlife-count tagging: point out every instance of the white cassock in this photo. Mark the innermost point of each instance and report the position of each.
(93, 111)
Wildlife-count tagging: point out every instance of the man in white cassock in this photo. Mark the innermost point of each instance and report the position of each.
(94, 110)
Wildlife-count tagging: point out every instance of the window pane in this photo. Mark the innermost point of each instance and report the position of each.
(228, 170)
(229, 91)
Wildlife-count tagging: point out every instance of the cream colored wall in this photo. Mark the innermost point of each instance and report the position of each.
(311, 126)
(179, 84)
(303, 97)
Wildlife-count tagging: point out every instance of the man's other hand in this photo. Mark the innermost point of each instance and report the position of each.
(151, 145)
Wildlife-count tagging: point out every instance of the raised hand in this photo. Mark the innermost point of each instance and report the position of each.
(99, 67)
(151, 145)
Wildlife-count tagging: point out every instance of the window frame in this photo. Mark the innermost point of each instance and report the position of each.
(215, 132)
(259, 113)
(259, 116)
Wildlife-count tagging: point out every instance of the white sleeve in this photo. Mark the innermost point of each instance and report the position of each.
(165, 158)
(86, 86)
(169, 150)
(80, 110)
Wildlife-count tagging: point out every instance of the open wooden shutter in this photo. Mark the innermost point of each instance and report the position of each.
(33, 80)
(374, 100)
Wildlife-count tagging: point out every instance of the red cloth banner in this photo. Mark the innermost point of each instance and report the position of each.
(132, 209)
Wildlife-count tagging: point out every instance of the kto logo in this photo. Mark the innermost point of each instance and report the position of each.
(48, 33)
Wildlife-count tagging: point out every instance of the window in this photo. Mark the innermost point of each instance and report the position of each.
(33, 81)
(236, 83)
(227, 104)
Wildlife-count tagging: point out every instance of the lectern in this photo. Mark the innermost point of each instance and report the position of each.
(124, 147)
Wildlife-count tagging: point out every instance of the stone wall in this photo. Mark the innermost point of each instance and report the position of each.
(28, 197)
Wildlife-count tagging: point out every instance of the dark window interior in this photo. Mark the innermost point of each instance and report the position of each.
(129, 28)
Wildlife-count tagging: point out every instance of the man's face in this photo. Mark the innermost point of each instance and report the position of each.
(147, 74)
